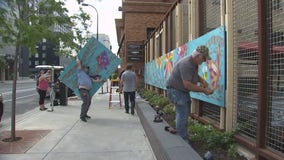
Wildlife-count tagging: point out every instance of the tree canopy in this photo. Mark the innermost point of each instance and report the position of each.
(28, 22)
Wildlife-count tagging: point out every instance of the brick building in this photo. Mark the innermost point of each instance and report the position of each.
(139, 20)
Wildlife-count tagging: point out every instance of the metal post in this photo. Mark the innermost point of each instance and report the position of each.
(52, 93)
(85, 4)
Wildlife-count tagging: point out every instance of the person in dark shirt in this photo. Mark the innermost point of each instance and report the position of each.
(184, 79)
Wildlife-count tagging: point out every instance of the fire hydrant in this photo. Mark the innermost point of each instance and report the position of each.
(1, 106)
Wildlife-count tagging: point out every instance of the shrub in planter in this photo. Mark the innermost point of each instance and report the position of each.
(212, 138)
(142, 92)
(158, 100)
(149, 94)
(169, 114)
(169, 109)
(154, 100)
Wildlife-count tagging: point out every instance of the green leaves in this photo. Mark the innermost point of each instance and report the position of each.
(212, 138)
(26, 23)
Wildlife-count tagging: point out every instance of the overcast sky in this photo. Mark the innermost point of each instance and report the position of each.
(108, 12)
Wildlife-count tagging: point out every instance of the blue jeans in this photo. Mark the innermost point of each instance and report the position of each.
(182, 101)
(129, 96)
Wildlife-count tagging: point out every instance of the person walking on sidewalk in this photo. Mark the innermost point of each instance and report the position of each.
(42, 88)
(84, 86)
(184, 78)
(128, 86)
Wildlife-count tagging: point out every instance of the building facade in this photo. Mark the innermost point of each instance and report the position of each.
(253, 65)
(45, 55)
(139, 20)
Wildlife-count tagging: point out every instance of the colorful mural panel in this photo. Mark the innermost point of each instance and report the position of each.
(213, 71)
(101, 60)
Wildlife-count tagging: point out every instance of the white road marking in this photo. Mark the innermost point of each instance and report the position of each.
(19, 91)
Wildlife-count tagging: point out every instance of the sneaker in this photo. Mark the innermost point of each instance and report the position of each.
(83, 119)
(43, 109)
(132, 111)
(87, 116)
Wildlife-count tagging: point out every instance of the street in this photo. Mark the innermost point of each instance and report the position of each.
(26, 97)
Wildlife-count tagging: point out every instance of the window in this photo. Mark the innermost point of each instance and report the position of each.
(216, 2)
(149, 32)
(276, 4)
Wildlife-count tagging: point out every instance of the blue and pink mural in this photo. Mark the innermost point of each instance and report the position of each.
(158, 70)
(101, 60)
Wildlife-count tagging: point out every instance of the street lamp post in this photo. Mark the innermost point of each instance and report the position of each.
(85, 4)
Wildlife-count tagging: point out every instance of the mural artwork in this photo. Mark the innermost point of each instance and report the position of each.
(101, 60)
(158, 70)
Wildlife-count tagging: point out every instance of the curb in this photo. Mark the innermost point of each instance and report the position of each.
(165, 145)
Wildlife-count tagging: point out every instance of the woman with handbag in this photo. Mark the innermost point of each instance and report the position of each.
(42, 88)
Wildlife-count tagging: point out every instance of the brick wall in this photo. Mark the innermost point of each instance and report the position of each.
(137, 17)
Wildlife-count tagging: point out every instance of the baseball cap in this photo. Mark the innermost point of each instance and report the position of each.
(204, 51)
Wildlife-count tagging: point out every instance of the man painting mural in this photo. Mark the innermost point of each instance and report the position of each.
(184, 79)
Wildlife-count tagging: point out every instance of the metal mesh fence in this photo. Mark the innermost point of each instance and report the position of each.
(185, 22)
(211, 111)
(211, 15)
(275, 122)
(211, 20)
(245, 66)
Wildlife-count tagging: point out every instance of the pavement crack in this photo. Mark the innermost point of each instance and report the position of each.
(60, 140)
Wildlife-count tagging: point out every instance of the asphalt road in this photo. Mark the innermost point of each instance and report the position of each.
(26, 97)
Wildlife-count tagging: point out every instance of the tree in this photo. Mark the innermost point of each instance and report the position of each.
(24, 23)
(2, 64)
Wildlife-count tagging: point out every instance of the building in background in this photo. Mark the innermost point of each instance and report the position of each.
(46, 50)
(7, 56)
(45, 55)
(104, 39)
(139, 20)
(254, 64)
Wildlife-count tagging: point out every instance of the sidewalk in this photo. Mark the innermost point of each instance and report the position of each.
(109, 135)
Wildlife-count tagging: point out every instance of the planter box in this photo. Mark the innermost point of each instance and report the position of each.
(165, 145)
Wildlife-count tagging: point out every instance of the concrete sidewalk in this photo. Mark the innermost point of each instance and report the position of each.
(110, 134)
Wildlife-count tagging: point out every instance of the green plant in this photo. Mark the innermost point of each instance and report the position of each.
(232, 150)
(212, 138)
(149, 94)
(114, 76)
(154, 100)
(158, 100)
(169, 109)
